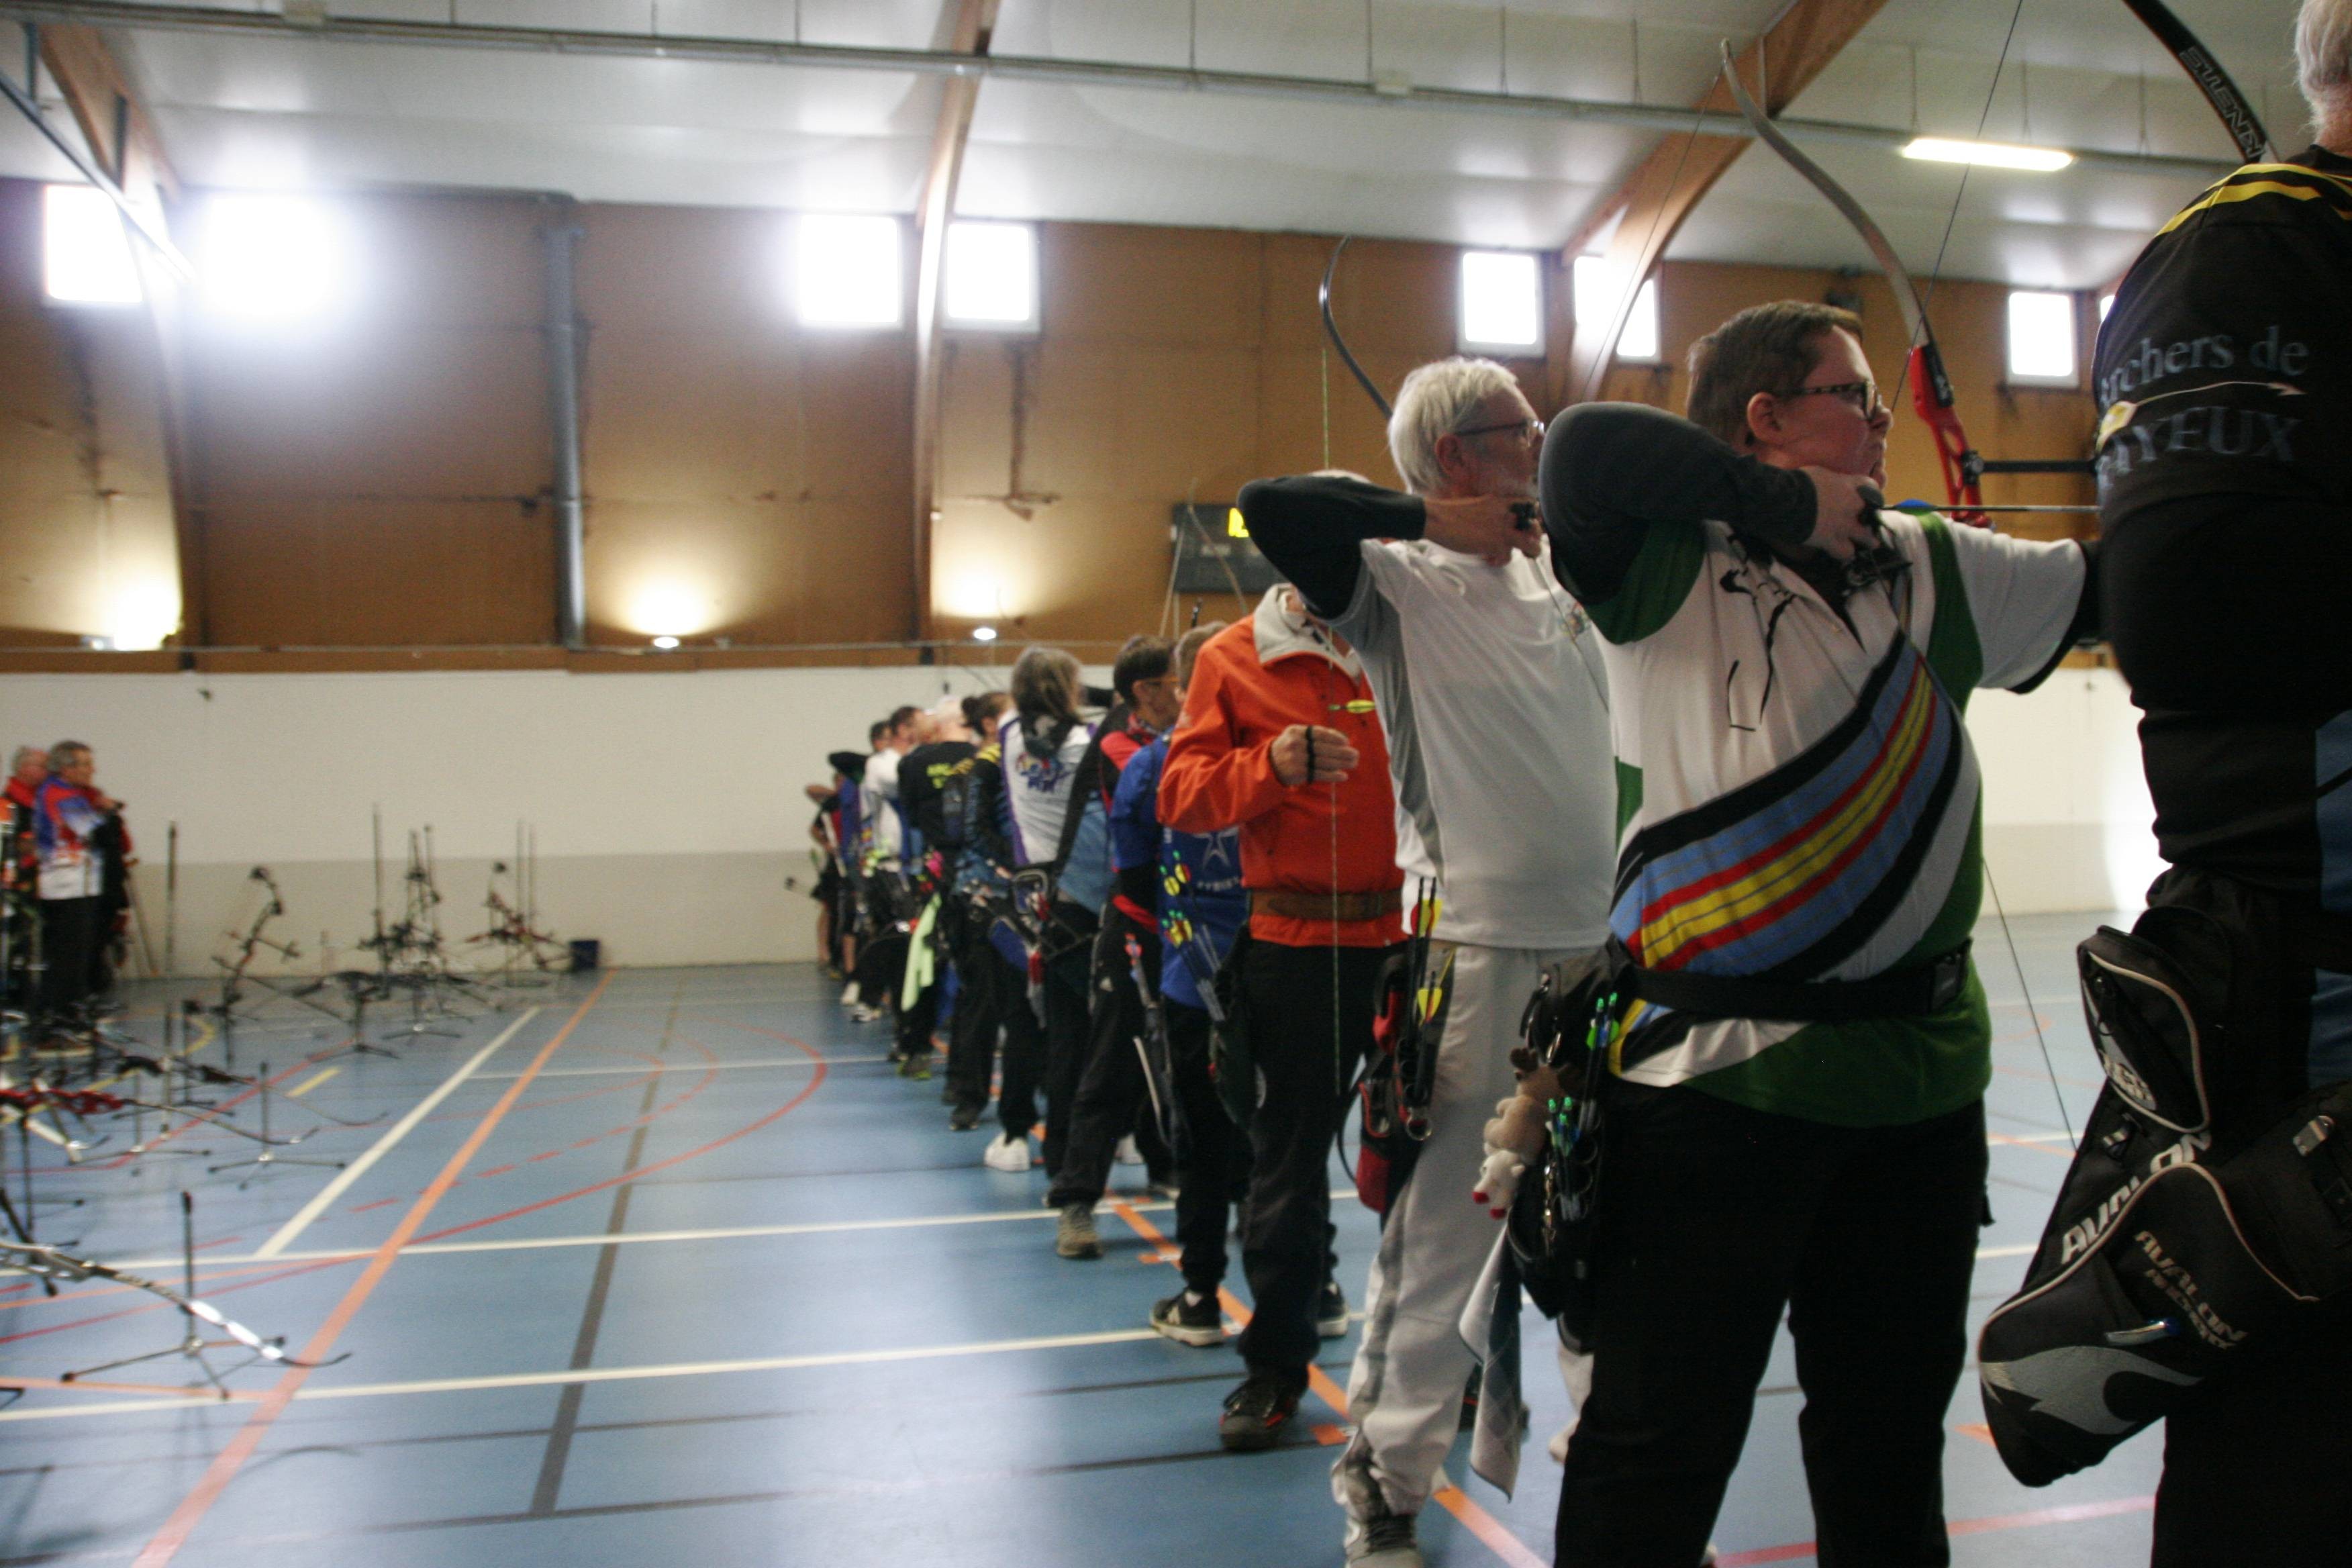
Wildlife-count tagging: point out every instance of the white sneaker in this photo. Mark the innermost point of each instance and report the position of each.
(1006, 1153)
(1128, 1153)
(849, 995)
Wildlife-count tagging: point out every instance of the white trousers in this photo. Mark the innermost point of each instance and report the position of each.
(1405, 1391)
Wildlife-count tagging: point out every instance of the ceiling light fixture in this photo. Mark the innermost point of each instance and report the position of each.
(1993, 155)
(983, 634)
(665, 643)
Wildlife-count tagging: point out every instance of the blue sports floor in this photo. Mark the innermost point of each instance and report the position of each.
(672, 1269)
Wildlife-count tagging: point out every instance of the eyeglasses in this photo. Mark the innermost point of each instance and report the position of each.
(1532, 429)
(1861, 396)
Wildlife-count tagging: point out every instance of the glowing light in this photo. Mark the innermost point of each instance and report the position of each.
(85, 254)
(2040, 336)
(275, 258)
(665, 643)
(143, 614)
(1235, 526)
(2106, 303)
(1599, 288)
(991, 275)
(667, 607)
(846, 271)
(1502, 301)
(983, 634)
(1992, 154)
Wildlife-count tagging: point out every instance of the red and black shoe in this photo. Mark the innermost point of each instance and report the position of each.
(1254, 1412)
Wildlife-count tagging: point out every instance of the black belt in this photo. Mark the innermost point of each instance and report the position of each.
(1914, 992)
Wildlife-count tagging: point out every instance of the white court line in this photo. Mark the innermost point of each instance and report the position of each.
(611, 1373)
(276, 1246)
(645, 1068)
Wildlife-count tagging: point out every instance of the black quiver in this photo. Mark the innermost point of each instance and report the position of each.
(2179, 1238)
(1553, 1218)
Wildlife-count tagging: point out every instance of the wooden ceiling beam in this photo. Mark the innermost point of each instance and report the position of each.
(113, 118)
(1659, 195)
(969, 24)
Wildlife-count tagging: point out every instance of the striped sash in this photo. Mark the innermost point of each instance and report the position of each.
(1792, 874)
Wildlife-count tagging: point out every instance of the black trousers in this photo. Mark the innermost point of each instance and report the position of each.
(972, 1038)
(2254, 1463)
(71, 937)
(1069, 1009)
(1310, 1024)
(1025, 1049)
(1713, 1219)
(1113, 1098)
(1213, 1163)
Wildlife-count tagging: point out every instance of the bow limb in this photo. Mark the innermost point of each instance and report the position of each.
(2237, 115)
(48, 1263)
(1931, 386)
(1331, 330)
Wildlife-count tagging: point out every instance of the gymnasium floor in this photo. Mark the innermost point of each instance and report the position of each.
(672, 1269)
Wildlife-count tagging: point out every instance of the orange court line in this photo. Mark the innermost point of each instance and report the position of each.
(1452, 1499)
(224, 1468)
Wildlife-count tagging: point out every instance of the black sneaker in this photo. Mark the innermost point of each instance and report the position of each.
(1254, 1412)
(917, 1065)
(965, 1117)
(1331, 1311)
(1074, 1233)
(1190, 1320)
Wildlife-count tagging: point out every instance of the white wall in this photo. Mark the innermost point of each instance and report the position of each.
(2066, 810)
(668, 807)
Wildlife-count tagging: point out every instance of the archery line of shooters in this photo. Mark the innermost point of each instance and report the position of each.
(1606, 792)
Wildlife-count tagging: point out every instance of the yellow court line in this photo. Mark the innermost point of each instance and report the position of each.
(313, 1081)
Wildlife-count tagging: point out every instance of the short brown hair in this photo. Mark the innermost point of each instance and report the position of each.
(1766, 348)
(1189, 646)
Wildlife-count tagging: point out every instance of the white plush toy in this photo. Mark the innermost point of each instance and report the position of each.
(1515, 1138)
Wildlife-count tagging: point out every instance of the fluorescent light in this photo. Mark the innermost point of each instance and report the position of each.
(991, 275)
(846, 271)
(2040, 336)
(1502, 301)
(665, 643)
(275, 257)
(1599, 288)
(85, 255)
(1994, 154)
(983, 634)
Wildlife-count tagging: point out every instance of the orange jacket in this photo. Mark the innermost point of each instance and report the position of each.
(1251, 682)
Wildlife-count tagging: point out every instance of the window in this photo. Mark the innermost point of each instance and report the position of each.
(992, 277)
(1502, 301)
(1600, 288)
(846, 271)
(2042, 338)
(85, 254)
(275, 258)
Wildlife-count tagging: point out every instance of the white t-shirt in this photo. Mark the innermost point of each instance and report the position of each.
(1490, 685)
(1038, 788)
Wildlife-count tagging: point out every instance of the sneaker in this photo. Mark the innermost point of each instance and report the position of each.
(1190, 1320)
(918, 1068)
(849, 995)
(1074, 1233)
(1382, 1539)
(1006, 1153)
(1331, 1311)
(964, 1118)
(1128, 1153)
(1254, 1412)
(861, 1014)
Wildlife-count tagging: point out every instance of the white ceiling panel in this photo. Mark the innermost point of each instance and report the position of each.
(240, 110)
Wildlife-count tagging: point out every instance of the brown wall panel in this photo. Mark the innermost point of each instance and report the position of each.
(384, 482)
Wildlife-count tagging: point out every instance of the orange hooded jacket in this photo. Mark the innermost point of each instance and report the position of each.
(1251, 682)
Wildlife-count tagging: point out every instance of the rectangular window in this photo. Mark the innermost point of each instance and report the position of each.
(1600, 288)
(991, 281)
(85, 254)
(2042, 338)
(846, 271)
(1502, 303)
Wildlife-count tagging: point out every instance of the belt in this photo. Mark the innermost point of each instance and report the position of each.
(1339, 908)
(1913, 993)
